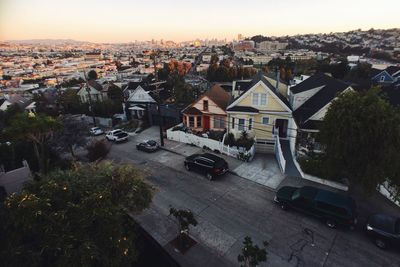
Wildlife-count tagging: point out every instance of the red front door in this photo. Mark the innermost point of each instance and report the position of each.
(206, 122)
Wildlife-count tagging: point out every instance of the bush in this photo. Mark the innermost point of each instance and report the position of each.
(97, 150)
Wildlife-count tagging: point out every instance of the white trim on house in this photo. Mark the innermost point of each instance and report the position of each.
(269, 90)
(242, 112)
(380, 74)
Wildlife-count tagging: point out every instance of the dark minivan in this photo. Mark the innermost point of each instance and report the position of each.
(208, 164)
(335, 209)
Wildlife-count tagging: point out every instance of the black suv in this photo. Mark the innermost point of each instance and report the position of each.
(207, 163)
(334, 209)
(384, 230)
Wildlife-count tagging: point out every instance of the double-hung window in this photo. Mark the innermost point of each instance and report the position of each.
(259, 99)
(241, 125)
(198, 122)
(250, 124)
(219, 122)
(255, 99)
(265, 120)
(191, 121)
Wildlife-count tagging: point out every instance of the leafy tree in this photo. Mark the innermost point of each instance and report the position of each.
(97, 149)
(92, 75)
(38, 130)
(361, 134)
(252, 255)
(70, 102)
(185, 218)
(73, 134)
(76, 217)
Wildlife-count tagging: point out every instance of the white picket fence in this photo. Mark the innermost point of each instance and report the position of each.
(278, 152)
(208, 143)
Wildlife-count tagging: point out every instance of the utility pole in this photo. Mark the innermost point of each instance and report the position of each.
(155, 53)
(90, 99)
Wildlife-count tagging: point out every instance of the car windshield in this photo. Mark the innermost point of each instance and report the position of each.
(296, 194)
(95, 129)
(117, 131)
(151, 143)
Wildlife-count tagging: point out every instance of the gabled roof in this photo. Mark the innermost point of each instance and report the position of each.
(216, 94)
(192, 111)
(392, 70)
(314, 81)
(259, 77)
(315, 103)
(219, 96)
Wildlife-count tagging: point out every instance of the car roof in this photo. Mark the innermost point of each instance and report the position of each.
(308, 192)
(383, 222)
(334, 199)
(211, 157)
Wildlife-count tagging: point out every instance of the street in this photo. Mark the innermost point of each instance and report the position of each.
(230, 208)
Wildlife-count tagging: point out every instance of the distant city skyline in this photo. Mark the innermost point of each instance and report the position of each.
(126, 21)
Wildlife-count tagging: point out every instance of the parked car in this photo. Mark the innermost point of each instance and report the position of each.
(384, 230)
(96, 131)
(207, 164)
(148, 146)
(117, 135)
(334, 209)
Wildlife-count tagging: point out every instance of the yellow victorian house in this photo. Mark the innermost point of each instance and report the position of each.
(263, 112)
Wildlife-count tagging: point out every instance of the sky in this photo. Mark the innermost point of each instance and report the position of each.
(183, 20)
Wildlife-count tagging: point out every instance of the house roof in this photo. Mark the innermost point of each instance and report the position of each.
(392, 70)
(242, 85)
(95, 85)
(219, 96)
(260, 77)
(216, 94)
(314, 81)
(19, 100)
(243, 109)
(319, 100)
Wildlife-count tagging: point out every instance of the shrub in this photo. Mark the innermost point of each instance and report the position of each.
(97, 149)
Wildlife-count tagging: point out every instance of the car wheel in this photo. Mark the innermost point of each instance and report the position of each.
(380, 243)
(187, 167)
(330, 223)
(283, 205)
(209, 176)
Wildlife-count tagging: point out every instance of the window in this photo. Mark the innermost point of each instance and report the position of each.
(263, 99)
(219, 122)
(205, 105)
(259, 99)
(265, 120)
(241, 125)
(191, 121)
(250, 124)
(233, 123)
(255, 99)
(382, 78)
(198, 122)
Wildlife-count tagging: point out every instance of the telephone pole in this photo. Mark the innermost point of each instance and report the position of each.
(90, 99)
(160, 123)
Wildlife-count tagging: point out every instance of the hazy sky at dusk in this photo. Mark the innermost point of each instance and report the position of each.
(129, 20)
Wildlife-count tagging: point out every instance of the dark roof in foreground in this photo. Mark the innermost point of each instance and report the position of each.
(314, 81)
(315, 103)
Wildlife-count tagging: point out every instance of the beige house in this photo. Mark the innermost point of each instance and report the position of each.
(208, 111)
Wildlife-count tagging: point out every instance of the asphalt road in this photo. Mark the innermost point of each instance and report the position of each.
(230, 208)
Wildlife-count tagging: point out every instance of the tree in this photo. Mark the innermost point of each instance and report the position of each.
(185, 218)
(70, 102)
(360, 132)
(76, 217)
(92, 75)
(38, 130)
(252, 255)
(72, 134)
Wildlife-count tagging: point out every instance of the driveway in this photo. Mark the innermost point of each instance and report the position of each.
(230, 208)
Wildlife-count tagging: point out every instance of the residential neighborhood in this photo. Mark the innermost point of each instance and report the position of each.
(267, 148)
